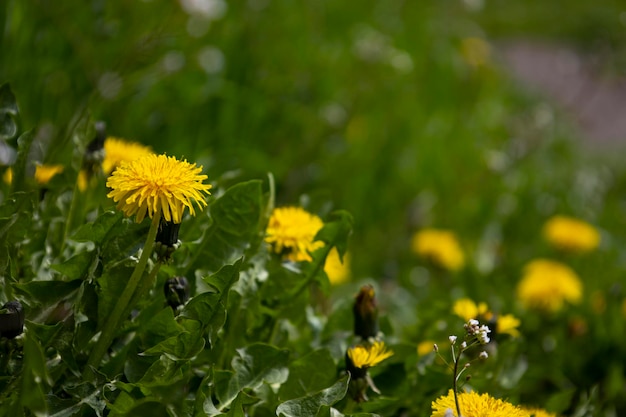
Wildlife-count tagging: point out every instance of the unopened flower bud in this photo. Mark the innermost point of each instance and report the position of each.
(452, 339)
(463, 345)
(11, 319)
(435, 347)
(365, 313)
(176, 291)
(483, 355)
(166, 239)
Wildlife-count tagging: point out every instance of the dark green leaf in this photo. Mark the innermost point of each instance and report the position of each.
(81, 266)
(183, 346)
(35, 380)
(47, 292)
(98, 230)
(255, 364)
(236, 227)
(309, 374)
(309, 405)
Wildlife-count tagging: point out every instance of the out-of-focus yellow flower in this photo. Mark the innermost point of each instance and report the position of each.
(369, 355)
(467, 309)
(118, 150)
(440, 247)
(44, 173)
(83, 180)
(157, 184)
(546, 285)
(7, 177)
(475, 405)
(476, 52)
(508, 324)
(538, 412)
(570, 234)
(291, 231)
(338, 272)
(425, 347)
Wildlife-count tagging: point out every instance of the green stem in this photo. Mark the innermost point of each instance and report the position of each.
(70, 216)
(122, 305)
(454, 382)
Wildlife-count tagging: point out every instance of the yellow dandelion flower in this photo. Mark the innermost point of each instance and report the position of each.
(7, 177)
(475, 405)
(291, 232)
(370, 355)
(508, 324)
(476, 52)
(570, 234)
(157, 184)
(338, 272)
(44, 173)
(467, 309)
(425, 347)
(118, 150)
(538, 412)
(546, 285)
(439, 246)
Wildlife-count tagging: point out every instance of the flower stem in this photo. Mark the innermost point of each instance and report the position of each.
(454, 382)
(122, 305)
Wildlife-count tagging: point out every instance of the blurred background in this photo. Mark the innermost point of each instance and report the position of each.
(485, 117)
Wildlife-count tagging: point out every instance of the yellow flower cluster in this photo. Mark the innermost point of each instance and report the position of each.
(157, 184)
(368, 355)
(467, 309)
(441, 247)
(570, 234)
(473, 404)
(547, 285)
(291, 232)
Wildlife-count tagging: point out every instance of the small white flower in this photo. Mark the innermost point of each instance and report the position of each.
(463, 345)
(483, 355)
(452, 339)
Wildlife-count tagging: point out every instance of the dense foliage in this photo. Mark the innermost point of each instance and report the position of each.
(449, 194)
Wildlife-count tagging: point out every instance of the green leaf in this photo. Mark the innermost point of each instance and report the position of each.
(35, 379)
(182, 346)
(256, 364)
(164, 372)
(24, 143)
(47, 292)
(112, 284)
(80, 266)
(309, 374)
(235, 230)
(98, 230)
(310, 404)
(16, 216)
(8, 112)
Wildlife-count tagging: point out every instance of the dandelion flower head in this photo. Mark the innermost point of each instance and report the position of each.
(370, 355)
(338, 271)
(118, 150)
(475, 405)
(570, 234)
(44, 173)
(157, 183)
(546, 285)
(467, 309)
(291, 232)
(440, 247)
(508, 324)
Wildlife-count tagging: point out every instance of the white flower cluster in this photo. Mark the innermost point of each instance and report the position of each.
(473, 328)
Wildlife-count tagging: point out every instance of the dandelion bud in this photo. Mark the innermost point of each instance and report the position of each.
(11, 319)
(167, 239)
(365, 313)
(94, 153)
(176, 291)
